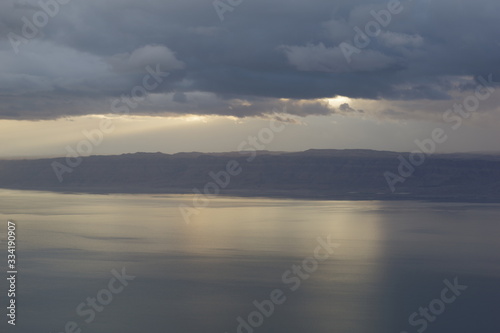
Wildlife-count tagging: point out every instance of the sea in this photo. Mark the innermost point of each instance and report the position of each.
(126, 263)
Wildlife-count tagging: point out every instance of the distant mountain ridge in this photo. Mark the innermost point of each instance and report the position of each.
(317, 174)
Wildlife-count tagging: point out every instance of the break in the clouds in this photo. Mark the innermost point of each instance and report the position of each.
(281, 55)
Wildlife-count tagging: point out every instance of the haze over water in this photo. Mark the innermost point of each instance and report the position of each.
(392, 259)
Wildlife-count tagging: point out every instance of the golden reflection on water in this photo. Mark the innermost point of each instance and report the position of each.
(245, 244)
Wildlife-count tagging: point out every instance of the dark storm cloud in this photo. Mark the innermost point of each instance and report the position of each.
(92, 52)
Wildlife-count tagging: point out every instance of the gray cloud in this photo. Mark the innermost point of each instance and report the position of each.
(140, 58)
(92, 52)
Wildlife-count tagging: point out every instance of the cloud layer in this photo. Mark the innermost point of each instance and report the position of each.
(263, 56)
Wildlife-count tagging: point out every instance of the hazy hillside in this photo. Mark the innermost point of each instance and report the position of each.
(340, 174)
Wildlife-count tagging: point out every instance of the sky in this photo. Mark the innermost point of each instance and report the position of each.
(204, 75)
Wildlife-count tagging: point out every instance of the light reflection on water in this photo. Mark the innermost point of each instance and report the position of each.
(392, 259)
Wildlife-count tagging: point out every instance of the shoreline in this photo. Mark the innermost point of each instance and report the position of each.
(285, 195)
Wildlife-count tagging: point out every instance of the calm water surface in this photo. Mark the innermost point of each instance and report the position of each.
(392, 260)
